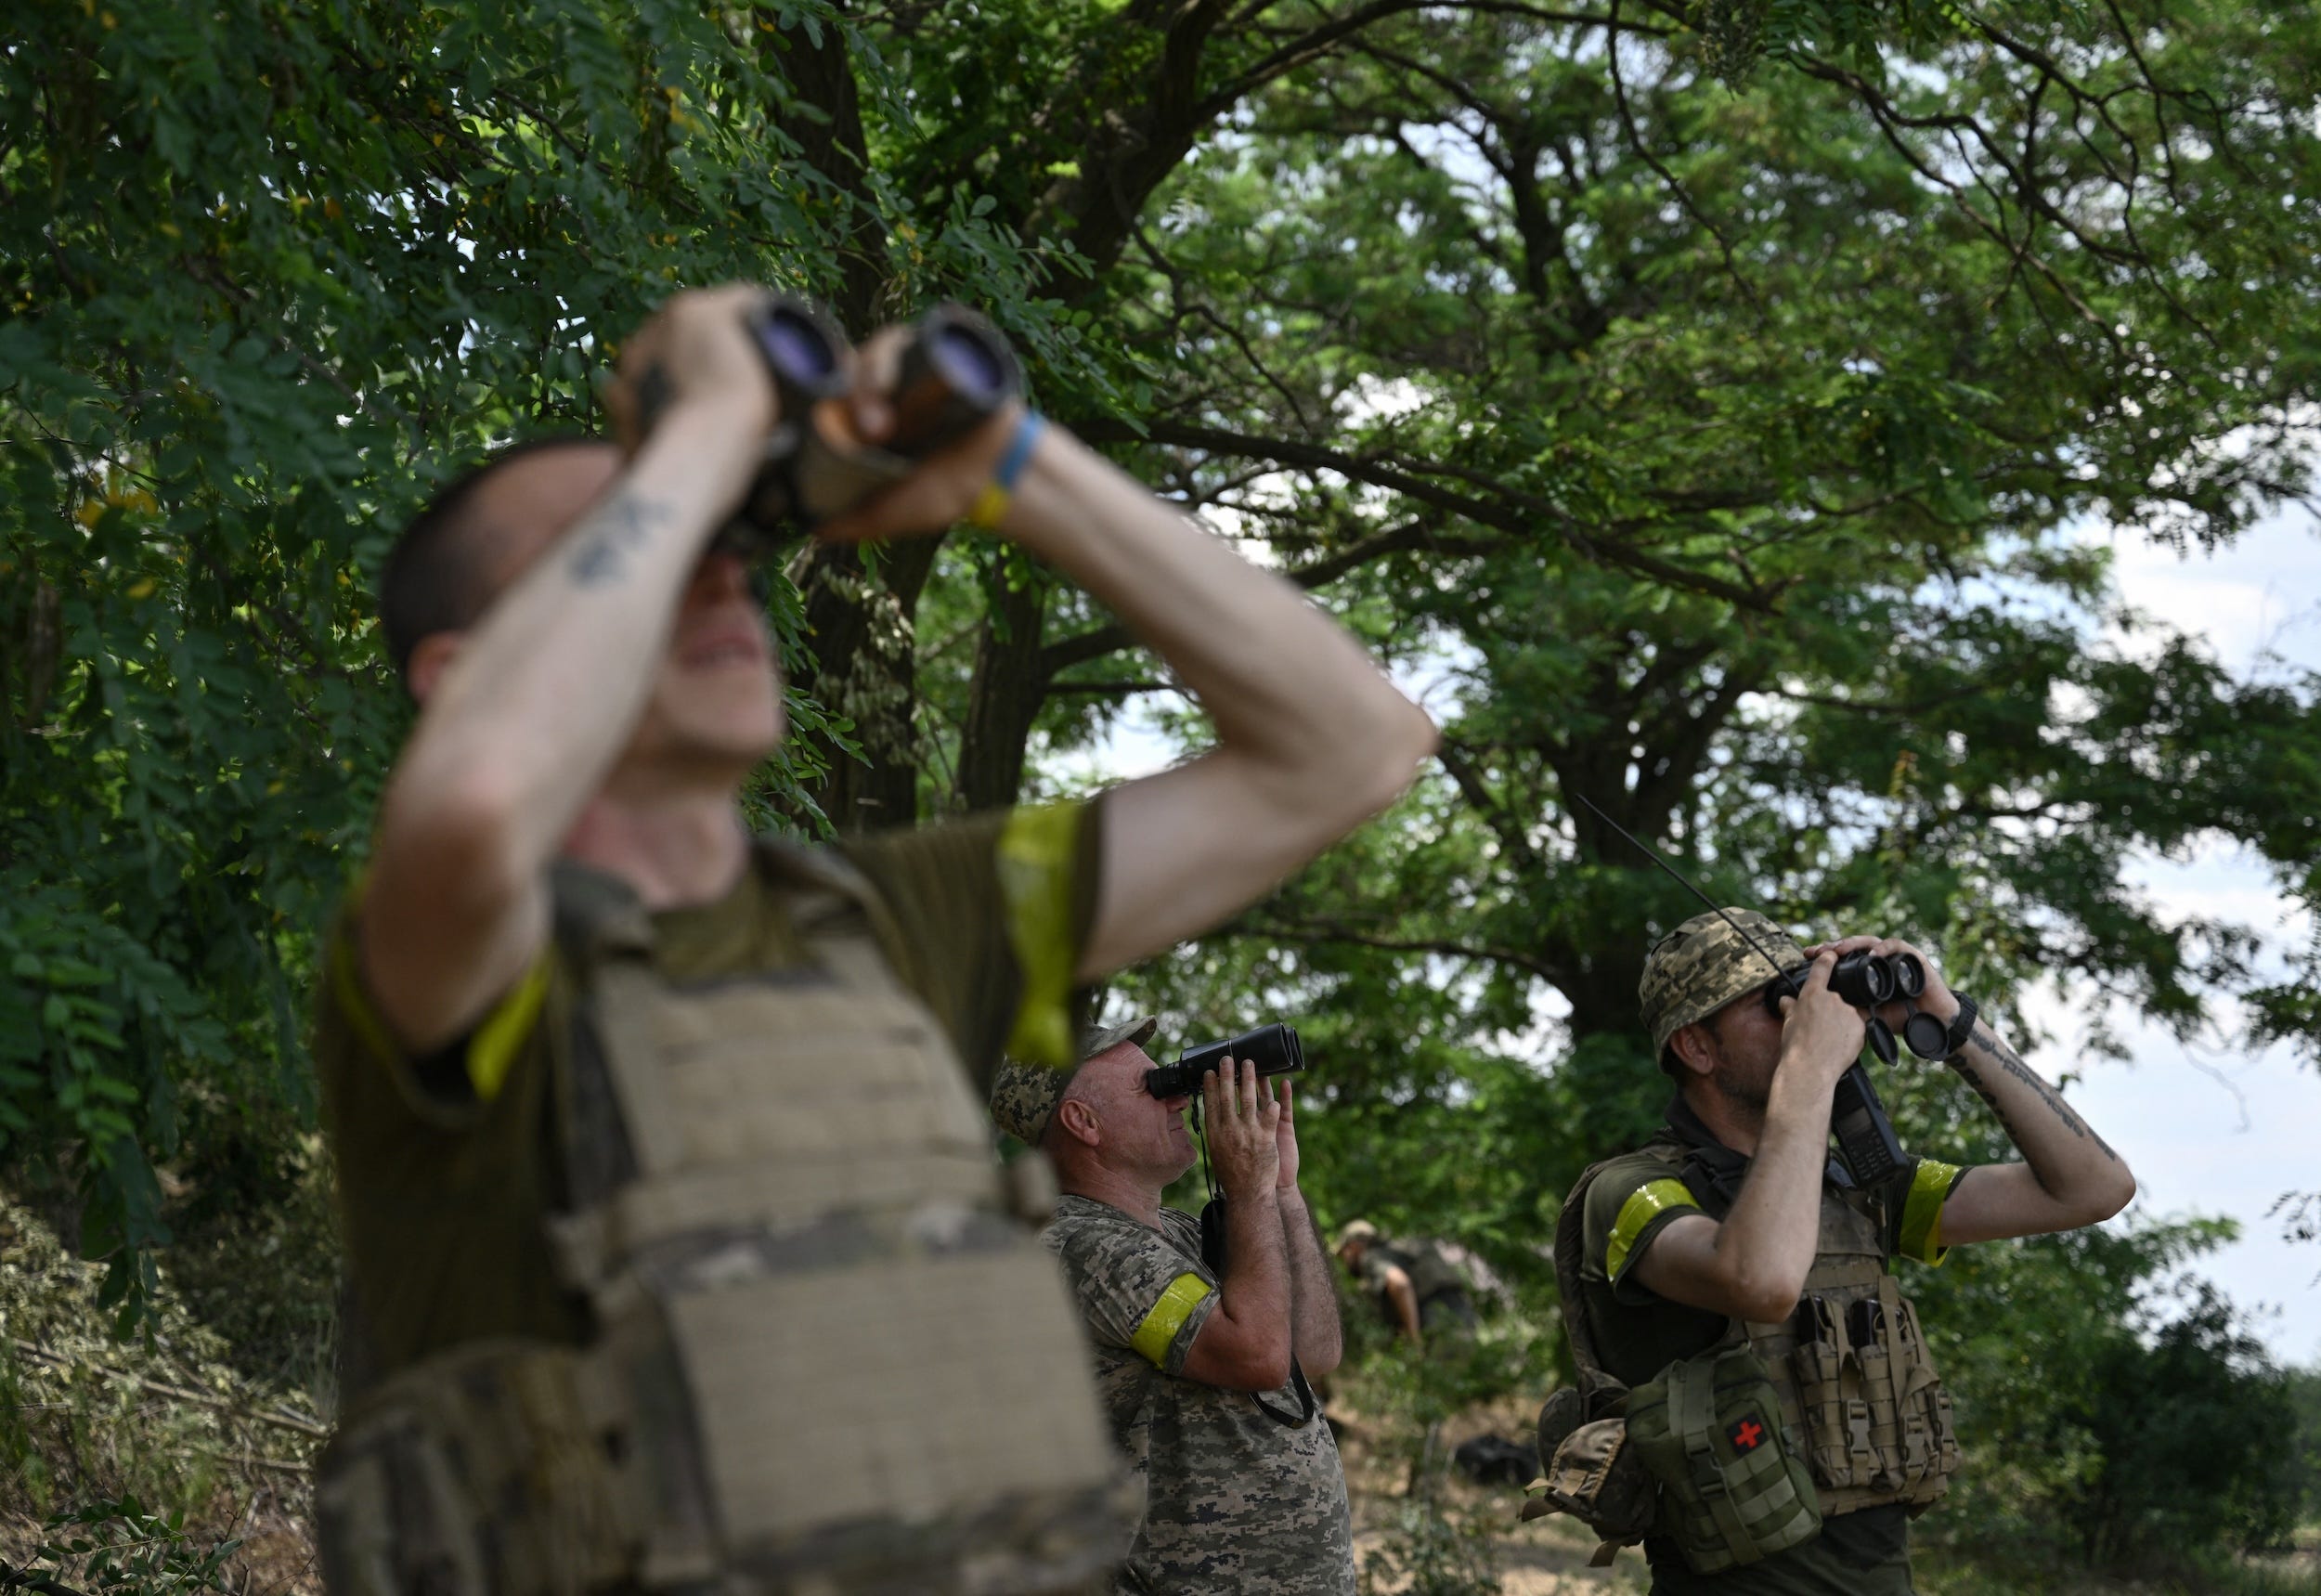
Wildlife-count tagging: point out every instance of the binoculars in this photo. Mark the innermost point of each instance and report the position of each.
(1274, 1049)
(956, 369)
(1858, 1120)
(1866, 981)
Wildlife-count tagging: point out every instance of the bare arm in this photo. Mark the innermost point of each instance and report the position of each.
(1315, 1332)
(1403, 1296)
(544, 693)
(1313, 1327)
(2069, 1177)
(1753, 1264)
(1313, 739)
(1245, 1342)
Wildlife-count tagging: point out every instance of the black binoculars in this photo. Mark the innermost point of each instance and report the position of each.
(1274, 1049)
(1866, 981)
(956, 371)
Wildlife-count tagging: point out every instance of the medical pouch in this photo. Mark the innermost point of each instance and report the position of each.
(1734, 1489)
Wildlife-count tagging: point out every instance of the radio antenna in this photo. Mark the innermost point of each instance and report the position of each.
(1654, 854)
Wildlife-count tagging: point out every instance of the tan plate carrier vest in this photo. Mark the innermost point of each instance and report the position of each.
(1876, 1417)
(828, 1357)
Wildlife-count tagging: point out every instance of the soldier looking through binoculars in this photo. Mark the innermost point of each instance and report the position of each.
(1205, 1333)
(1732, 1282)
(677, 1254)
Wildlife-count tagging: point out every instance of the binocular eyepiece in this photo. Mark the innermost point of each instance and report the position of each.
(1274, 1049)
(956, 369)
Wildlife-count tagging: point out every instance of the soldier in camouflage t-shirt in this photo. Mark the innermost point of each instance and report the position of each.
(1203, 1379)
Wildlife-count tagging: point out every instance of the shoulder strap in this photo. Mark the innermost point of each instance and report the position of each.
(832, 885)
(1571, 1251)
(815, 868)
(596, 914)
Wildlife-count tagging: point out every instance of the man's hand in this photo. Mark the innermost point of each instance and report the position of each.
(1243, 1125)
(696, 354)
(1937, 1000)
(1286, 1144)
(1821, 1034)
(943, 486)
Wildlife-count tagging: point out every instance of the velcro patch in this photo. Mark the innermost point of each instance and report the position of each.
(1746, 1434)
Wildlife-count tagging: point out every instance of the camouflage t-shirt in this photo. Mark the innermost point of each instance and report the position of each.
(1639, 1333)
(1233, 1500)
(448, 1164)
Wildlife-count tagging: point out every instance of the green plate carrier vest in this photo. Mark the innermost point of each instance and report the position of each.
(829, 1354)
(1871, 1420)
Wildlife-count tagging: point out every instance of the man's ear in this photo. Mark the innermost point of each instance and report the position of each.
(431, 656)
(1078, 1121)
(1694, 1048)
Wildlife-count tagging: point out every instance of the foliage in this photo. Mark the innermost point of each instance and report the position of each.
(1405, 1398)
(2195, 1433)
(119, 1546)
(1428, 1553)
(1703, 403)
(278, 269)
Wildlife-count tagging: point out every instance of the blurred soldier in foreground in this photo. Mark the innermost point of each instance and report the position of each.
(1422, 1286)
(679, 1256)
(1203, 1373)
(1734, 1239)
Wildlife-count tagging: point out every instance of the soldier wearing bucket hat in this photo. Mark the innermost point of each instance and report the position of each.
(1734, 1227)
(1202, 1375)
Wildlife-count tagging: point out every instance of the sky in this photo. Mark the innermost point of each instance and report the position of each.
(2214, 1129)
(2210, 1129)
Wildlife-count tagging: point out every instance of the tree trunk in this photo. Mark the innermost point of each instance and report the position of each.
(833, 144)
(860, 616)
(1003, 699)
(861, 629)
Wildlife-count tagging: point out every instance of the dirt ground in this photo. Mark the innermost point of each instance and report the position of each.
(1547, 1557)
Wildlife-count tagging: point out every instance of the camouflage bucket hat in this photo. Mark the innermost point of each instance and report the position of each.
(1704, 965)
(1023, 1096)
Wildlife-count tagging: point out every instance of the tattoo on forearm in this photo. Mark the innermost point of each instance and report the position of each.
(1988, 1041)
(602, 544)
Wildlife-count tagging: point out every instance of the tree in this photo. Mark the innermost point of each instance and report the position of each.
(273, 272)
(1713, 440)
(1728, 468)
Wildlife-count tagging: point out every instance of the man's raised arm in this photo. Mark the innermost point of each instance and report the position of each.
(1752, 1264)
(523, 716)
(1313, 739)
(2069, 1178)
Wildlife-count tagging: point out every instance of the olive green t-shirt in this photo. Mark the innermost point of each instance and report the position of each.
(448, 1165)
(1637, 1333)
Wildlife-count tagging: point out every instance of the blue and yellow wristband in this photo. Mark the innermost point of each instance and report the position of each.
(998, 493)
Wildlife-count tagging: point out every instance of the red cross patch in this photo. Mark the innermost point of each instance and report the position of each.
(1748, 1435)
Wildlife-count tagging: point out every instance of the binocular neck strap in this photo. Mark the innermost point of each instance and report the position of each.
(1305, 1398)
